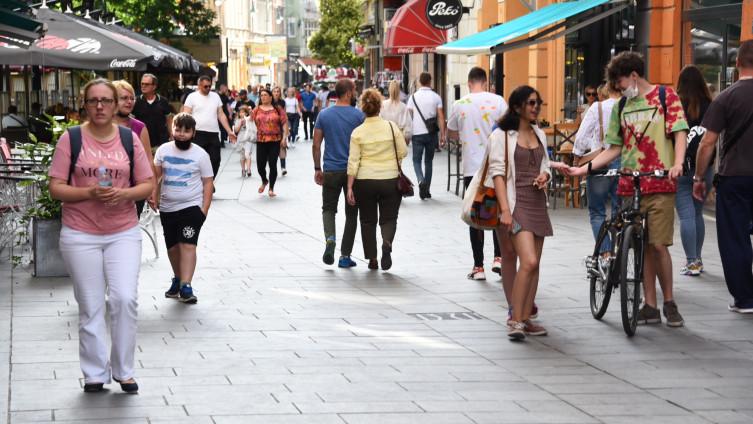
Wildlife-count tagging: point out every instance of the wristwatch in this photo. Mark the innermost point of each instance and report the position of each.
(697, 179)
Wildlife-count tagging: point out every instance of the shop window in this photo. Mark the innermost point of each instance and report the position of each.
(712, 39)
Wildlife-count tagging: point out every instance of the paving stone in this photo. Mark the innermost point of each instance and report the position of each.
(278, 337)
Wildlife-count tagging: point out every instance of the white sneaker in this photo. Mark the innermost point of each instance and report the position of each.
(732, 308)
(477, 273)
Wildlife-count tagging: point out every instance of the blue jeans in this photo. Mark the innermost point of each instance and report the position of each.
(293, 119)
(601, 190)
(734, 212)
(690, 211)
(423, 147)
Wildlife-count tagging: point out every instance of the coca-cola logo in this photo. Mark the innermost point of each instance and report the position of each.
(444, 14)
(123, 64)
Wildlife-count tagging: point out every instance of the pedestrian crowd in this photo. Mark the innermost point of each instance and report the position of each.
(134, 149)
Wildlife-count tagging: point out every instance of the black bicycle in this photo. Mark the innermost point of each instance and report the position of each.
(622, 265)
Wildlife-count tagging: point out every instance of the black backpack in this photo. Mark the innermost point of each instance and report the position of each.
(126, 139)
(695, 135)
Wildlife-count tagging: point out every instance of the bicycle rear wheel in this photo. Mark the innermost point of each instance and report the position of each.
(631, 276)
(600, 288)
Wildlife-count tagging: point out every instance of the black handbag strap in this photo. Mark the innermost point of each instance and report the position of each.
(419, 110)
(394, 143)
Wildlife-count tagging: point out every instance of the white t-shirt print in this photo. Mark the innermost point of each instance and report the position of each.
(182, 173)
(474, 116)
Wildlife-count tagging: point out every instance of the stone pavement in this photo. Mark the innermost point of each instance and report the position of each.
(278, 337)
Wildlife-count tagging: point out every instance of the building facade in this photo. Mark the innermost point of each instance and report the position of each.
(254, 40)
(302, 21)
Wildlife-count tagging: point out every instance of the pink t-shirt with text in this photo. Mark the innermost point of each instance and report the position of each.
(92, 216)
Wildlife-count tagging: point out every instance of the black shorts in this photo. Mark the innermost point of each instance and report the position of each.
(182, 226)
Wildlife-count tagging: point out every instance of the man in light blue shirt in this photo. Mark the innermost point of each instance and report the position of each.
(335, 125)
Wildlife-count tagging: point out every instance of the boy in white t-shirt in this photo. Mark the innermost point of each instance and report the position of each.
(184, 193)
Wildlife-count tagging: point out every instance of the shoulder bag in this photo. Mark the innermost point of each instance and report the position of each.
(480, 205)
(404, 184)
(431, 124)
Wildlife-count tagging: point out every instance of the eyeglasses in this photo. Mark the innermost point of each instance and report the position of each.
(534, 103)
(126, 98)
(590, 94)
(146, 83)
(95, 102)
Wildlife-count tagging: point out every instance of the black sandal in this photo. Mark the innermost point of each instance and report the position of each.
(93, 387)
(130, 388)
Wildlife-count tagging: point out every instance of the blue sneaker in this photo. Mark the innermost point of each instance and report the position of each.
(174, 289)
(346, 262)
(186, 294)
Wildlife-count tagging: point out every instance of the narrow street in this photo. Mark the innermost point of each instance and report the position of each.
(279, 337)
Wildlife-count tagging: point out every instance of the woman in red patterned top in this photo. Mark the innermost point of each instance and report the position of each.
(272, 134)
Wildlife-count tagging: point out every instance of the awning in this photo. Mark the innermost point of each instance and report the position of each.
(410, 32)
(17, 28)
(164, 57)
(74, 43)
(304, 66)
(565, 17)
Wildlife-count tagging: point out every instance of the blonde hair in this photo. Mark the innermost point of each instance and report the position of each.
(371, 102)
(124, 85)
(394, 91)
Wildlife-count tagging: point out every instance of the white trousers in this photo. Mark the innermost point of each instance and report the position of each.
(105, 273)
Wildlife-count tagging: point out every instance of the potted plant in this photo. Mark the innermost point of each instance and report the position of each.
(44, 217)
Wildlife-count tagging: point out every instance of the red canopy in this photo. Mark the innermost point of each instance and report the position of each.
(409, 31)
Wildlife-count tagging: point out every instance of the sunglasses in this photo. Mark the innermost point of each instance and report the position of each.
(206, 86)
(590, 94)
(535, 103)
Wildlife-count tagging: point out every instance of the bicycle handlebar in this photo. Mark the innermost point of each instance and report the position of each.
(658, 173)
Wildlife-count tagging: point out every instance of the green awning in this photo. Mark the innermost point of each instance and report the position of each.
(18, 28)
(566, 17)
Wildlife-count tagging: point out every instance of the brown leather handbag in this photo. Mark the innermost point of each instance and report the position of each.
(404, 184)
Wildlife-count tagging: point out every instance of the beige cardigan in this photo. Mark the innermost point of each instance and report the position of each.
(495, 150)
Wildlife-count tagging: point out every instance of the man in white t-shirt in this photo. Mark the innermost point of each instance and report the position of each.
(425, 106)
(184, 193)
(206, 108)
(471, 121)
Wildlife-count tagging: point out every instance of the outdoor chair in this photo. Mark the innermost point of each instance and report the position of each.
(455, 147)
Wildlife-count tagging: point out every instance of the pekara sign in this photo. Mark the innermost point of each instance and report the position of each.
(444, 14)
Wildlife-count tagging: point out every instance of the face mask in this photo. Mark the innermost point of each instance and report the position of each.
(183, 145)
(122, 115)
(631, 92)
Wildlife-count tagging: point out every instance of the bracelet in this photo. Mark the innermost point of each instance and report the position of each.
(317, 168)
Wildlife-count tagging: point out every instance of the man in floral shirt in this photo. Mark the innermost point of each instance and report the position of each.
(651, 136)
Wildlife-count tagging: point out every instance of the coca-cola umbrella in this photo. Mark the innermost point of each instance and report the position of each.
(73, 43)
(164, 57)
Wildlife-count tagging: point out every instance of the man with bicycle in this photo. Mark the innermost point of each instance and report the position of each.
(650, 128)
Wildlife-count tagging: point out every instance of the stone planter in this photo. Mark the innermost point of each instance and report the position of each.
(48, 262)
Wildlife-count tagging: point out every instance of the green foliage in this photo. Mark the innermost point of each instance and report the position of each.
(339, 25)
(161, 18)
(45, 206)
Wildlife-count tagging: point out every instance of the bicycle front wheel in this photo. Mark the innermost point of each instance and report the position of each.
(600, 287)
(631, 264)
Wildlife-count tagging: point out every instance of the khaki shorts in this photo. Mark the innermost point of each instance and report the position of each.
(661, 217)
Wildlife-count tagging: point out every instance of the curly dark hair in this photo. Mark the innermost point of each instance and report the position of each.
(510, 121)
(623, 65)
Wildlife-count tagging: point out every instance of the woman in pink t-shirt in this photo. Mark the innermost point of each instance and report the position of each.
(100, 240)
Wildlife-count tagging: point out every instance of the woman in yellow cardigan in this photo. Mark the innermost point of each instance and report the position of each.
(376, 146)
